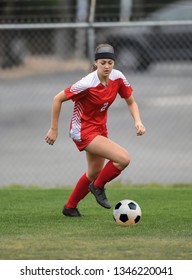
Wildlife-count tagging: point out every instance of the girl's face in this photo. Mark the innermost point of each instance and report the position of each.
(104, 66)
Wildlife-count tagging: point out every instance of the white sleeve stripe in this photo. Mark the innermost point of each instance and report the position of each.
(91, 80)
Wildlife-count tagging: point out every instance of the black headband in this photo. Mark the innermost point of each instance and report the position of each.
(104, 55)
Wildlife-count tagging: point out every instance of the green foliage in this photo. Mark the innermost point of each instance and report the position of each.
(33, 227)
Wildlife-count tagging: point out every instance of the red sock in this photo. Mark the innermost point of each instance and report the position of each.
(109, 172)
(79, 192)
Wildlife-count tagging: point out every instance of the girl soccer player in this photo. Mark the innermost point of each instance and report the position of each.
(92, 96)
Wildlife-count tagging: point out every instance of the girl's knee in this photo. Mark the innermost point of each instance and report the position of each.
(124, 161)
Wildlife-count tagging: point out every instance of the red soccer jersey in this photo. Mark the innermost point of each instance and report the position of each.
(92, 100)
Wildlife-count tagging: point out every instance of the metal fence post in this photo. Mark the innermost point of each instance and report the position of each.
(91, 31)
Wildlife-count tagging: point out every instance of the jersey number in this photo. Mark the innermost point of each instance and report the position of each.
(104, 106)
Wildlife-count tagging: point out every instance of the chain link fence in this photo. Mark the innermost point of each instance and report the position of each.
(39, 61)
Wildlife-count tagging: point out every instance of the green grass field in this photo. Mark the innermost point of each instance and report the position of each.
(32, 226)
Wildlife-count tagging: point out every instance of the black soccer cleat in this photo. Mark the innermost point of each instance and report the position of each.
(100, 195)
(71, 212)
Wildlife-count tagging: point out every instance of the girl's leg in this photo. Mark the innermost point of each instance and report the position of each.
(95, 165)
(118, 160)
(79, 192)
(97, 151)
(103, 147)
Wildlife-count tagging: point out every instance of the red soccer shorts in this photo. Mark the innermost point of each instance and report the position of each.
(88, 134)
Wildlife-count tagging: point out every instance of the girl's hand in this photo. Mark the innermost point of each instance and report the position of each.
(51, 136)
(140, 129)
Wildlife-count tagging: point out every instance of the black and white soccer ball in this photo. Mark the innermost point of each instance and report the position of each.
(127, 212)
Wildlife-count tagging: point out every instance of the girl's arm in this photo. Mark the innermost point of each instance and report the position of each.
(134, 110)
(56, 108)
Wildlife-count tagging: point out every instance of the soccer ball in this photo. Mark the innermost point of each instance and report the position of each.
(127, 212)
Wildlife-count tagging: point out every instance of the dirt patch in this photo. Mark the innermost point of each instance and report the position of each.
(40, 65)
